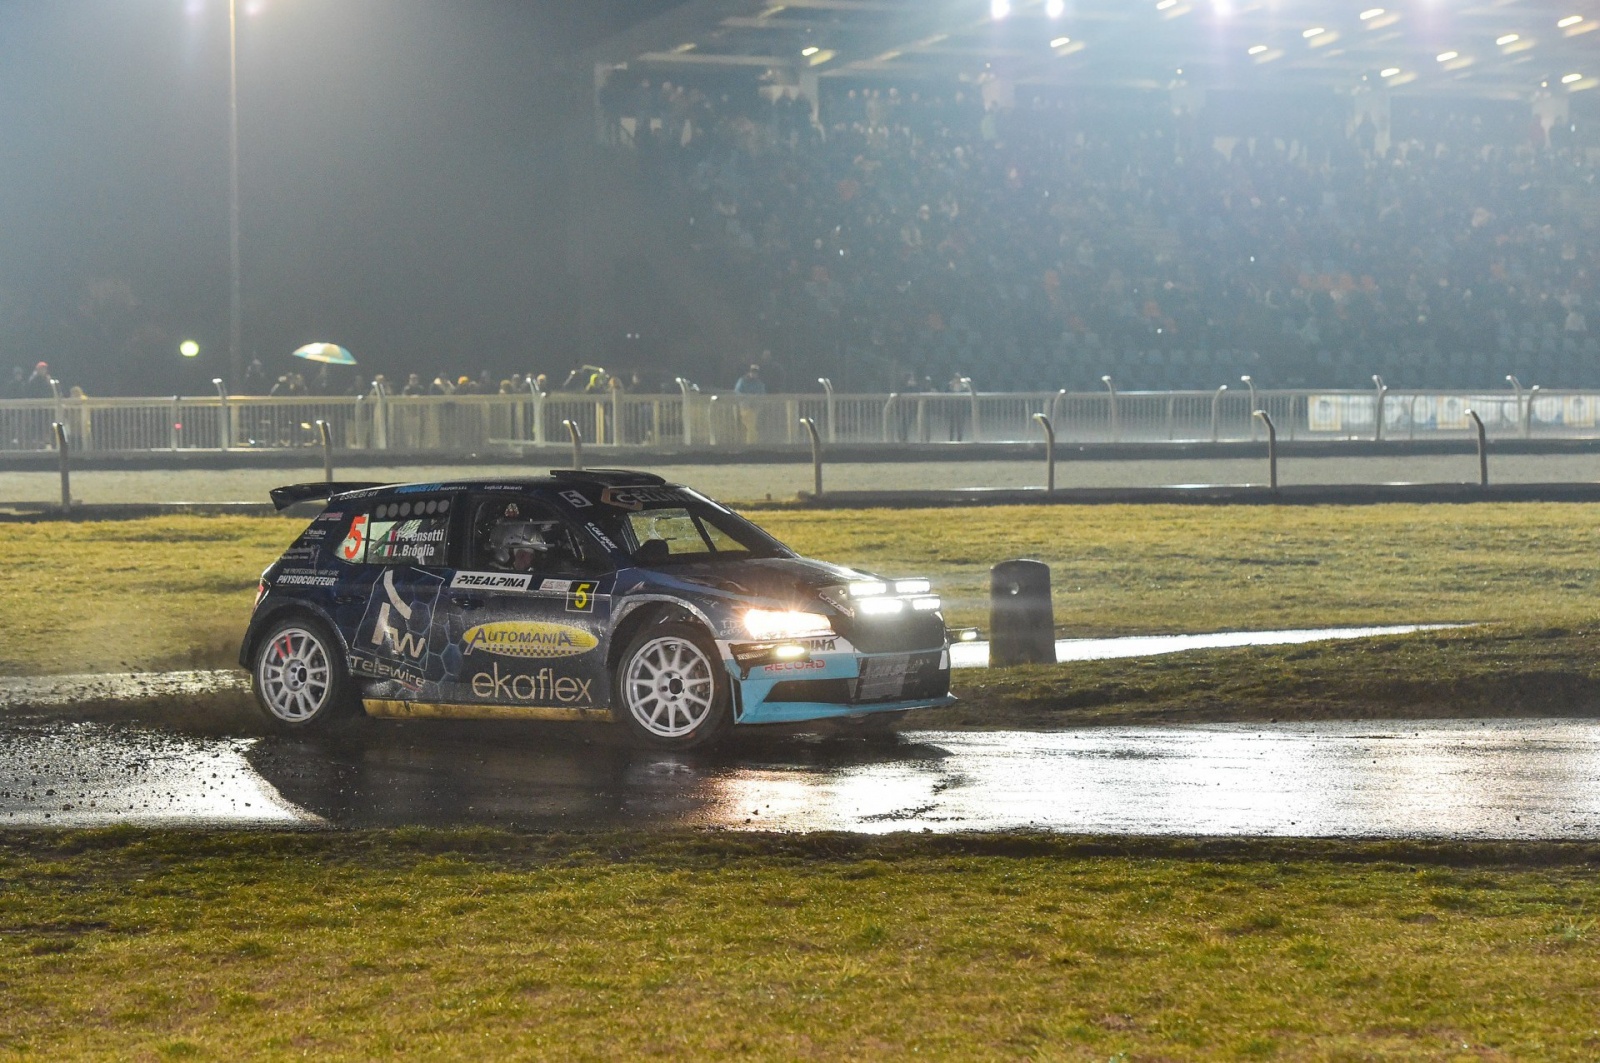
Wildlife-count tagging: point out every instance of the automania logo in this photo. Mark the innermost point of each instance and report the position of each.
(529, 638)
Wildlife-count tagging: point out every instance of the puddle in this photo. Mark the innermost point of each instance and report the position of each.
(90, 775)
(1533, 779)
(976, 654)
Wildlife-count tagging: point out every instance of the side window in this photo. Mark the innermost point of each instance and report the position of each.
(413, 532)
(674, 527)
(521, 534)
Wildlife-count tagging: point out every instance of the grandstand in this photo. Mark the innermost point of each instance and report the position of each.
(1036, 193)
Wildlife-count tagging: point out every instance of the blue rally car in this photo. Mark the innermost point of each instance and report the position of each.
(605, 595)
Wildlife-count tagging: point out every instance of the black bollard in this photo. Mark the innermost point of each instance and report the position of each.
(1022, 624)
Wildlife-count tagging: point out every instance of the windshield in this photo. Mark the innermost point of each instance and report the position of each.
(688, 529)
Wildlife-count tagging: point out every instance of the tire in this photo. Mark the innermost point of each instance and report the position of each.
(299, 676)
(672, 690)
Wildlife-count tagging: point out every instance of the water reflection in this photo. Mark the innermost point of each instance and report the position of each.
(1467, 779)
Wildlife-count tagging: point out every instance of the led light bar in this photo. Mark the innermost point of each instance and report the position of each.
(881, 606)
(912, 586)
(868, 588)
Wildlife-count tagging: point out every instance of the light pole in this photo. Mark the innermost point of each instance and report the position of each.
(235, 311)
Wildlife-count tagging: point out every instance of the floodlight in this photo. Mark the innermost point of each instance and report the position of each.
(999, 9)
(1510, 38)
(189, 349)
(810, 50)
(1257, 49)
(1061, 42)
(1055, 8)
(1570, 20)
(1570, 78)
(1314, 31)
(1371, 13)
(1388, 71)
(1445, 57)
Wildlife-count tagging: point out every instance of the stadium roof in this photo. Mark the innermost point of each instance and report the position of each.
(1492, 48)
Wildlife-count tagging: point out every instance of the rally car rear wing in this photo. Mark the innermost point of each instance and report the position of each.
(284, 497)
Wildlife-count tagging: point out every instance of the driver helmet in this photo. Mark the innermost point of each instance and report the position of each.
(516, 544)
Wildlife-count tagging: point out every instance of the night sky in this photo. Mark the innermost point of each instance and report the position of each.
(402, 190)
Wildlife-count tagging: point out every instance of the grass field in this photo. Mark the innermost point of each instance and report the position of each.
(176, 592)
(471, 945)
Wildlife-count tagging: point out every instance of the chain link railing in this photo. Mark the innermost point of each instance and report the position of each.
(672, 422)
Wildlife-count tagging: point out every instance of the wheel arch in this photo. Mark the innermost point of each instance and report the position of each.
(642, 613)
(264, 622)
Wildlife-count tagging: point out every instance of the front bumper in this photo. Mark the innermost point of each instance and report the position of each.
(828, 685)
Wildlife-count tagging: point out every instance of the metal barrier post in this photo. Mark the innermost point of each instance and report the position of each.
(1247, 382)
(711, 420)
(538, 409)
(618, 436)
(577, 443)
(224, 415)
(888, 409)
(833, 420)
(1055, 405)
(1049, 451)
(816, 456)
(326, 435)
(1516, 386)
(60, 431)
(1111, 399)
(380, 417)
(1272, 446)
(1483, 449)
(1527, 412)
(176, 425)
(1216, 403)
(688, 411)
(972, 398)
(1377, 417)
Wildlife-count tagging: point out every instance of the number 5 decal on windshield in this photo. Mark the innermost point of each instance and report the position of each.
(580, 597)
(353, 543)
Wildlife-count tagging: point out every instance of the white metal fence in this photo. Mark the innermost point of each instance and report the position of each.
(479, 423)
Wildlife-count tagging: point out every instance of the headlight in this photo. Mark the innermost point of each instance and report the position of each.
(769, 624)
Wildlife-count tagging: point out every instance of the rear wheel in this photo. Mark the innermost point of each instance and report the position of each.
(300, 680)
(672, 690)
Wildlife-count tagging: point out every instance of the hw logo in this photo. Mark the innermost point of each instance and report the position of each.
(398, 618)
(385, 634)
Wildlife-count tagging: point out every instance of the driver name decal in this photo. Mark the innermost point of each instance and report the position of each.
(529, 638)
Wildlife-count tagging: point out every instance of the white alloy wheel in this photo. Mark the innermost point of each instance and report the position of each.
(669, 687)
(294, 675)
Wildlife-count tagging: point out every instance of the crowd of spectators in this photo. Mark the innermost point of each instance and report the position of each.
(1043, 244)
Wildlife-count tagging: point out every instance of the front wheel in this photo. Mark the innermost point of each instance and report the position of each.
(300, 681)
(672, 690)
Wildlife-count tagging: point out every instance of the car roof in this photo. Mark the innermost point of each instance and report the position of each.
(288, 495)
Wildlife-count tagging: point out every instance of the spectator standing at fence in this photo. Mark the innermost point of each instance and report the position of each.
(39, 385)
(959, 385)
(750, 413)
(255, 379)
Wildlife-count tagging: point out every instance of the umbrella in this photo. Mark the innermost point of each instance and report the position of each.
(326, 353)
